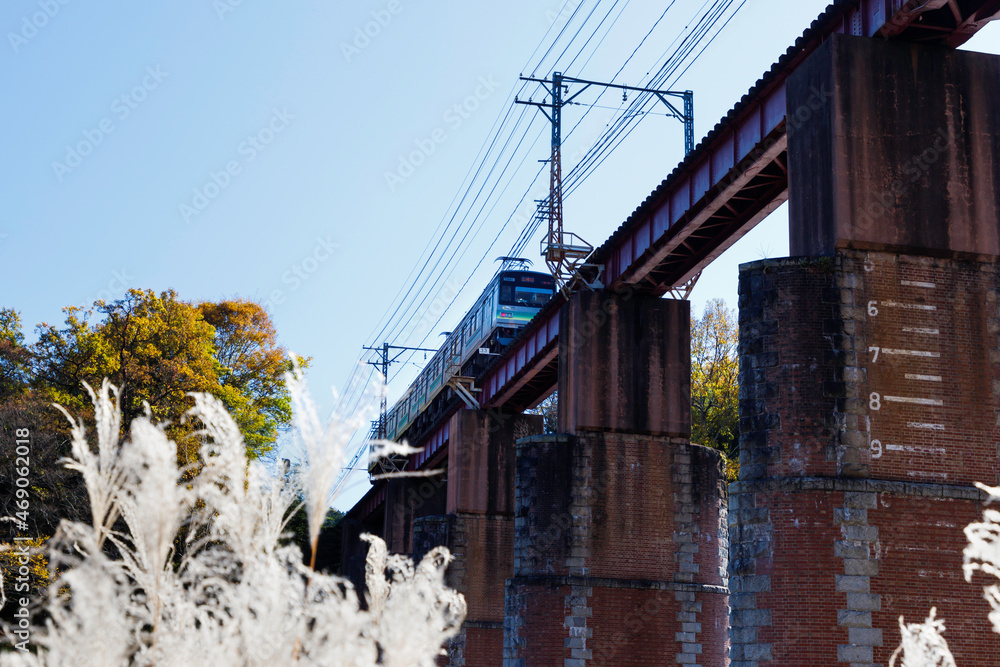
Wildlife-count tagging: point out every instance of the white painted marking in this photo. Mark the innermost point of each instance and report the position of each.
(921, 473)
(916, 449)
(925, 378)
(911, 353)
(914, 401)
(921, 330)
(925, 426)
(917, 283)
(908, 306)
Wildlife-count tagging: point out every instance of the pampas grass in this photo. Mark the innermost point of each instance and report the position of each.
(922, 643)
(186, 566)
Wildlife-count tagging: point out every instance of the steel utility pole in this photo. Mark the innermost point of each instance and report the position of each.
(565, 252)
(383, 362)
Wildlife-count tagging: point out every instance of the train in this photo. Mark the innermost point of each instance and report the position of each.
(507, 304)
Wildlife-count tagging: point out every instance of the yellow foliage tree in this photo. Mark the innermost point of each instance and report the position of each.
(250, 366)
(714, 382)
(158, 350)
(12, 560)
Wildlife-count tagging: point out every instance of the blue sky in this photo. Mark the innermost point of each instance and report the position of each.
(305, 153)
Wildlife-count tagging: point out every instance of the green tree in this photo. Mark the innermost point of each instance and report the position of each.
(155, 348)
(15, 358)
(714, 382)
(549, 410)
(158, 349)
(250, 368)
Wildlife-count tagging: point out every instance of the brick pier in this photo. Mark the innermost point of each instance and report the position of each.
(621, 537)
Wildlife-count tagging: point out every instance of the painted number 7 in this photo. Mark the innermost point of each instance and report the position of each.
(875, 350)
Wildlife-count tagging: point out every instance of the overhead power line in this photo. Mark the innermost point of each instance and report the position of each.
(501, 159)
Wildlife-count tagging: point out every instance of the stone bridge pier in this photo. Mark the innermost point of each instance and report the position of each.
(620, 531)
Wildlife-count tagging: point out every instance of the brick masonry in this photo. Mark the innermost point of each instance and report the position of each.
(619, 562)
(482, 547)
(856, 469)
(478, 528)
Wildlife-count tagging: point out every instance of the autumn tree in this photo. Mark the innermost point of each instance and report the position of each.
(714, 382)
(15, 358)
(549, 410)
(158, 349)
(56, 493)
(249, 366)
(155, 348)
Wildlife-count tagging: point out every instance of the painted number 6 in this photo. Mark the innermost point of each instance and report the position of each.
(872, 310)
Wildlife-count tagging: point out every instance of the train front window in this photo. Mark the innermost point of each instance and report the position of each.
(527, 291)
(532, 297)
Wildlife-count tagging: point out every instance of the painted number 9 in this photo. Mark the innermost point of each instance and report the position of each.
(876, 449)
(874, 401)
(872, 310)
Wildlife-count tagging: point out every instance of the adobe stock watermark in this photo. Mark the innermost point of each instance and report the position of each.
(301, 271)
(115, 289)
(453, 118)
(364, 34)
(911, 172)
(22, 503)
(31, 24)
(248, 150)
(224, 7)
(121, 107)
(564, 12)
(817, 100)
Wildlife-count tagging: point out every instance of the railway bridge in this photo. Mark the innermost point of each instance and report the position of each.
(869, 387)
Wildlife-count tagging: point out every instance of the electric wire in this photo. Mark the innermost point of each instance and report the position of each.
(421, 286)
(565, 49)
(410, 284)
(591, 161)
(417, 308)
(621, 129)
(351, 399)
(392, 309)
(536, 221)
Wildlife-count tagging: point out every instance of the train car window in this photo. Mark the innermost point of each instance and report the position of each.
(507, 294)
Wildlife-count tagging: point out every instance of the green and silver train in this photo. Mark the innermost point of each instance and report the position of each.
(507, 304)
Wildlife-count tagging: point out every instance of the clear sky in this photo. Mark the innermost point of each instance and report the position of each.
(306, 153)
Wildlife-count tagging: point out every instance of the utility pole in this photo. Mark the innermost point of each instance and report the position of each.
(565, 252)
(385, 358)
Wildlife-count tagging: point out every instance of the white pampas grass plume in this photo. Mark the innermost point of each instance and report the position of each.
(197, 574)
(983, 552)
(923, 645)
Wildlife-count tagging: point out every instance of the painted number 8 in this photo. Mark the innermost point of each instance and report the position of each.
(874, 401)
